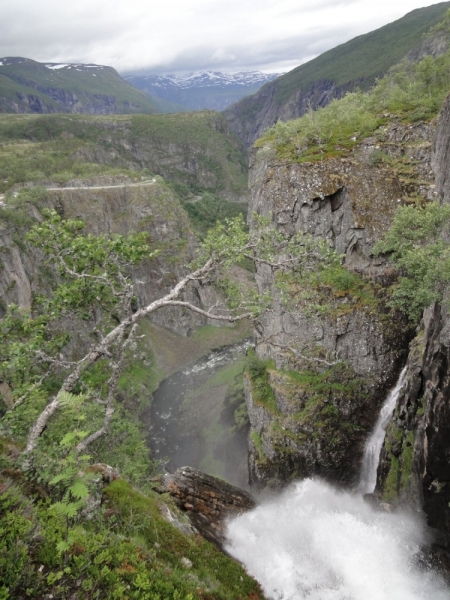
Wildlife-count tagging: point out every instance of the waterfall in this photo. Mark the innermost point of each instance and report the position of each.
(372, 450)
(315, 542)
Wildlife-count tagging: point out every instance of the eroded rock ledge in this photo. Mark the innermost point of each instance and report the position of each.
(208, 501)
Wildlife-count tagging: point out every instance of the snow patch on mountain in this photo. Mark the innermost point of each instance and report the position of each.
(205, 79)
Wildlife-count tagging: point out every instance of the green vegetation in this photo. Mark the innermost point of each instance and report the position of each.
(203, 164)
(64, 401)
(204, 212)
(258, 373)
(257, 443)
(419, 249)
(318, 396)
(330, 290)
(410, 91)
(399, 448)
(51, 494)
(350, 66)
(125, 550)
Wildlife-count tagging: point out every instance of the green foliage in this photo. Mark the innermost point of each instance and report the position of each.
(411, 91)
(91, 267)
(329, 290)
(206, 211)
(33, 195)
(419, 248)
(257, 371)
(126, 551)
(18, 531)
(319, 400)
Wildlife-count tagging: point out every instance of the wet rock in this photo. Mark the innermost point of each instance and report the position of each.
(414, 464)
(208, 501)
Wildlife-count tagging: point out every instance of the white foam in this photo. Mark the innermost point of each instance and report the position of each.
(316, 543)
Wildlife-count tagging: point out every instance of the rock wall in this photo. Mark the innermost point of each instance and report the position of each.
(331, 370)
(112, 208)
(414, 467)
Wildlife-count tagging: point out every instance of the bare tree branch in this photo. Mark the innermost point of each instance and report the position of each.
(113, 386)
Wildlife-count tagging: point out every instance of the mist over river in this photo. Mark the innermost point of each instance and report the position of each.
(193, 421)
(316, 542)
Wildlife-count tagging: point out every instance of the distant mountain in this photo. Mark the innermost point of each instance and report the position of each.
(197, 91)
(356, 63)
(27, 86)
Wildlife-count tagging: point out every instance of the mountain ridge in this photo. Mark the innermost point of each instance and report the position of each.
(28, 86)
(354, 64)
(202, 89)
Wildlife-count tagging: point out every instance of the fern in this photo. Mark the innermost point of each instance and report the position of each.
(66, 509)
(79, 489)
(70, 401)
(72, 438)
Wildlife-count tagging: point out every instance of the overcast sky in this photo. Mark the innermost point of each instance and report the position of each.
(167, 36)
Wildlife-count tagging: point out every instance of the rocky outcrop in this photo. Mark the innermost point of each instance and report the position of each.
(441, 153)
(330, 369)
(208, 501)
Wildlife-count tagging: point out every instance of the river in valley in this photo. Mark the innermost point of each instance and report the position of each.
(193, 417)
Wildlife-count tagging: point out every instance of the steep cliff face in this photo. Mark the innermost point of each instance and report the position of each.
(414, 466)
(113, 207)
(330, 368)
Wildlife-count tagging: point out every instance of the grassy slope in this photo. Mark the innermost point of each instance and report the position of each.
(410, 92)
(366, 56)
(30, 77)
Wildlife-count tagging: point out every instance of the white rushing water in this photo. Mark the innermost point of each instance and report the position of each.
(372, 450)
(314, 542)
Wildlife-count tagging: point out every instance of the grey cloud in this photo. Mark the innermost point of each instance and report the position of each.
(147, 35)
(276, 51)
